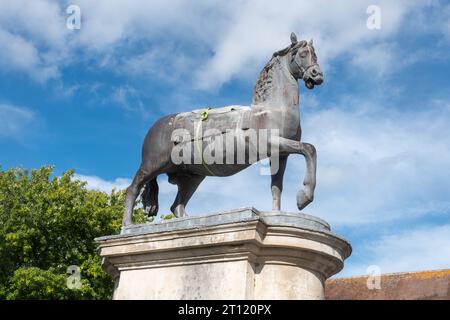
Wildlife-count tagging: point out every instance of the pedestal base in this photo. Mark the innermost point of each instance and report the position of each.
(240, 254)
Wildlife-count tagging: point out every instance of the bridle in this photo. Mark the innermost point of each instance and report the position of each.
(300, 71)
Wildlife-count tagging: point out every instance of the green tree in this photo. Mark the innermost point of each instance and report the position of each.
(49, 223)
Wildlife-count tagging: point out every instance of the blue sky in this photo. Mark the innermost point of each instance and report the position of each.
(84, 99)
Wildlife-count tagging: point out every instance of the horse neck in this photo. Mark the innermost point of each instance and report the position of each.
(276, 87)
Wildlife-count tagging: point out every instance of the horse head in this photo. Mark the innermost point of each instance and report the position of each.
(303, 62)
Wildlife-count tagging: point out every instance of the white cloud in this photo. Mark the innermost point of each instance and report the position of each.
(165, 62)
(43, 21)
(213, 43)
(108, 22)
(417, 249)
(14, 120)
(258, 27)
(19, 54)
(379, 59)
(32, 34)
(97, 183)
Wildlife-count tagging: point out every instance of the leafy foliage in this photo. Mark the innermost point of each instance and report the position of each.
(49, 223)
(167, 216)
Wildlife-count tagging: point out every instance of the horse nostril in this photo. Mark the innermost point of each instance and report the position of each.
(314, 72)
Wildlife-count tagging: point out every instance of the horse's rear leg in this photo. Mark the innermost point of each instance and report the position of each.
(141, 177)
(187, 184)
(150, 197)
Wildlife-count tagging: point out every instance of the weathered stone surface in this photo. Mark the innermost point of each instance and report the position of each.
(241, 254)
(429, 285)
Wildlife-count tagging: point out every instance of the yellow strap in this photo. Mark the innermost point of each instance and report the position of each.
(200, 147)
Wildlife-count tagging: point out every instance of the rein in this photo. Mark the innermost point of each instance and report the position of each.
(301, 71)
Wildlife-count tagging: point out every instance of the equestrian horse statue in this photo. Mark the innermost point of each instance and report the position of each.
(275, 107)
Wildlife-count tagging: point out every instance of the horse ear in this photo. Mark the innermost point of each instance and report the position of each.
(310, 43)
(293, 38)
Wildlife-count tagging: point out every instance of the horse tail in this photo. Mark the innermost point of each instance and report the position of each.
(150, 197)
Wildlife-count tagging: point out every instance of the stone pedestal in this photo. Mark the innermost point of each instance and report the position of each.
(240, 254)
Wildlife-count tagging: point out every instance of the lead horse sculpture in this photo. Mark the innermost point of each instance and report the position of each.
(274, 106)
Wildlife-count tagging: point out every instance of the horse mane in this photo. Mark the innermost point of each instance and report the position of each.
(264, 83)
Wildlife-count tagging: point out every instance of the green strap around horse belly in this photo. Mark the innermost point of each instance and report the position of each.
(203, 117)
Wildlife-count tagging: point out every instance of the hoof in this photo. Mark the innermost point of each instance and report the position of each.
(179, 211)
(181, 214)
(303, 200)
(151, 211)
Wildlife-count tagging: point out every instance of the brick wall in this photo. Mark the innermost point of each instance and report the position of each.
(433, 285)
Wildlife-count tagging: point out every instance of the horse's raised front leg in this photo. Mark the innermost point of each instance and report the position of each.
(286, 146)
(306, 196)
(277, 183)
